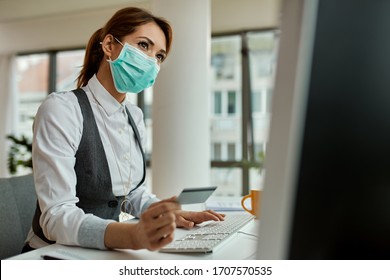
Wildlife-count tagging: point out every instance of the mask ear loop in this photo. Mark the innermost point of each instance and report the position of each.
(119, 41)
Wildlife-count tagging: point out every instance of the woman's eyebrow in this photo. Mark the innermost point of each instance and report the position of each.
(150, 42)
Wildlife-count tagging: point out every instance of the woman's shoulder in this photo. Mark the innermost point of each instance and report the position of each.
(62, 102)
(61, 98)
(59, 118)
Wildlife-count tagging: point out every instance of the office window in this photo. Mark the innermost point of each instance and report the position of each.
(68, 64)
(31, 84)
(262, 54)
(36, 76)
(226, 63)
(32, 72)
(225, 58)
(243, 137)
(228, 180)
(262, 57)
(259, 149)
(257, 102)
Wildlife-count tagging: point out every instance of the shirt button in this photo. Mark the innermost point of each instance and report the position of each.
(112, 203)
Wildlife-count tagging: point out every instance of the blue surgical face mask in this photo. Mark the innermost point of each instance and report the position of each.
(133, 70)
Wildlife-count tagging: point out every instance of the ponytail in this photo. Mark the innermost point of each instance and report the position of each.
(93, 55)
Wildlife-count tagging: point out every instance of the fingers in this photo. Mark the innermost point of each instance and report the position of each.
(209, 215)
(182, 222)
(161, 236)
(188, 219)
(161, 207)
(219, 216)
(157, 225)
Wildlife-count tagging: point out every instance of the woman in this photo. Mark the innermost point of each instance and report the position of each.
(87, 148)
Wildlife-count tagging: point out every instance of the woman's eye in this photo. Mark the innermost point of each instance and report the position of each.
(160, 57)
(143, 45)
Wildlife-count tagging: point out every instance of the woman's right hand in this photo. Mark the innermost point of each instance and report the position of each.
(157, 225)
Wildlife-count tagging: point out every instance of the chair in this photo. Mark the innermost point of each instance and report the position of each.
(17, 206)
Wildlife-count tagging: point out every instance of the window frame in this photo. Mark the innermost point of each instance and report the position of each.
(249, 158)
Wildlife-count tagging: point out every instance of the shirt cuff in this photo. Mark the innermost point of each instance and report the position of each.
(91, 232)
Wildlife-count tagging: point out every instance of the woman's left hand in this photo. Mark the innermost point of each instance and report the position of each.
(188, 219)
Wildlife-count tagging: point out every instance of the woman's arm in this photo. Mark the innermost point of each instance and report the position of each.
(154, 230)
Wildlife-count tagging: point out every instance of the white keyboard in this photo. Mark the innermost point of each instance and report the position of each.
(209, 235)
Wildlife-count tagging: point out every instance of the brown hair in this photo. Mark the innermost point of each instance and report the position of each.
(122, 23)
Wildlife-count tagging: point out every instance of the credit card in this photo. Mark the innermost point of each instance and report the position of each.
(195, 195)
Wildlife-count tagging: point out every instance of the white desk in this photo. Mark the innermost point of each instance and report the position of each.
(239, 247)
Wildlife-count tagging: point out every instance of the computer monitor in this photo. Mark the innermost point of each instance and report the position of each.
(327, 169)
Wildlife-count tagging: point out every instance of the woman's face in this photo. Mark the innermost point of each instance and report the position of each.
(149, 38)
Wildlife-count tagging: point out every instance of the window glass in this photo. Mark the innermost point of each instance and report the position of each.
(226, 118)
(262, 50)
(226, 123)
(226, 57)
(69, 64)
(227, 179)
(262, 55)
(257, 102)
(31, 88)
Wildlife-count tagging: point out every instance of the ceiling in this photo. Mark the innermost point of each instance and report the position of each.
(33, 25)
(19, 10)
(15, 11)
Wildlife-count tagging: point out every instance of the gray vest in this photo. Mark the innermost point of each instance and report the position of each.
(94, 187)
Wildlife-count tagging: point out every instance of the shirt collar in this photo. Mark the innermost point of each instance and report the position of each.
(104, 98)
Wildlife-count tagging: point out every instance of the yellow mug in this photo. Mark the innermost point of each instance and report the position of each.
(255, 197)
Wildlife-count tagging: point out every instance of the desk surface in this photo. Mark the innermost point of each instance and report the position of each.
(240, 246)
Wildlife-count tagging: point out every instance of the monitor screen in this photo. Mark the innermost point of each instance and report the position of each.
(327, 180)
